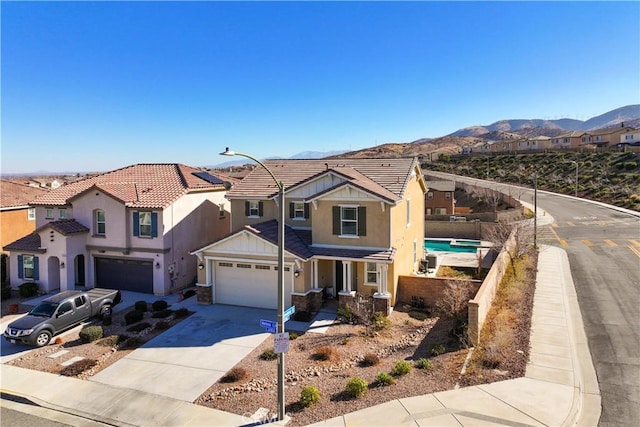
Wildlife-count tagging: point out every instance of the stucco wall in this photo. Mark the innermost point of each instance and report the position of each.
(14, 224)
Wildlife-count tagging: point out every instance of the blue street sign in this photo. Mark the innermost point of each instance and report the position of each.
(268, 324)
(289, 311)
(271, 330)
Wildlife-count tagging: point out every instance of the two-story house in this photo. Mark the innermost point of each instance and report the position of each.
(568, 141)
(130, 229)
(440, 198)
(352, 226)
(17, 218)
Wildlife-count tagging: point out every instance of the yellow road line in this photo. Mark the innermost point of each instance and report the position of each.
(611, 243)
(635, 243)
(635, 251)
(562, 242)
(587, 242)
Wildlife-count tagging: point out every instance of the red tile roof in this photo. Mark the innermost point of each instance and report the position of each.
(385, 178)
(154, 185)
(13, 194)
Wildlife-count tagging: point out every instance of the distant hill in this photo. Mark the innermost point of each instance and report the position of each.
(500, 130)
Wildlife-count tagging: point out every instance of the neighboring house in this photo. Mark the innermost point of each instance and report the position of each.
(536, 143)
(17, 218)
(606, 137)
(440, 199)
(130, 229)
(352, 226)
(568, 141)
(630, 141)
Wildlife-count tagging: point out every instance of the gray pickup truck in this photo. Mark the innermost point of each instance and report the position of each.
(59, 313)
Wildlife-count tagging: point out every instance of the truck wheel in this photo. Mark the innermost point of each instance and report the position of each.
(43, 338)
(105, 312)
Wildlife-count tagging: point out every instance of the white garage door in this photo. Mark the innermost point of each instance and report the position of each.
(250, 285)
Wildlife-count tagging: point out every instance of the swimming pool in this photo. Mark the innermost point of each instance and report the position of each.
(452, 245)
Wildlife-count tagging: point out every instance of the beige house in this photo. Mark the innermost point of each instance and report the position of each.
(440, 198)
(129, 229)
(353, 226)
(534, 144)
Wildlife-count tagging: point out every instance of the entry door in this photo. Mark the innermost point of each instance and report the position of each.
(339, 281)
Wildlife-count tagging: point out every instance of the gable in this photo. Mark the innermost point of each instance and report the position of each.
(347, 193)
(242, 243)
(315, 186)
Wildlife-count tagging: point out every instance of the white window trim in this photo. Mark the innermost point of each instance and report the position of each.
(46, 213)
(97, 230)
(429, 195)
(296, 211)
(140, 225)
(408, 213)
(349, 236)
(62, 213)
(251, 208)
(24, 266)
(374, 271)
(31, 214)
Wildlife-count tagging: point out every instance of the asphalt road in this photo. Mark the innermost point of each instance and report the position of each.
(603, 246)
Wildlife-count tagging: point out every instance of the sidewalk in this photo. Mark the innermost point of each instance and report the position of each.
(559, 387)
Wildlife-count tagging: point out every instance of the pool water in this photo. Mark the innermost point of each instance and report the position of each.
(452, 245)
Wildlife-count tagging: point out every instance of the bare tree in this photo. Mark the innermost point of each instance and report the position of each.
(522, 239)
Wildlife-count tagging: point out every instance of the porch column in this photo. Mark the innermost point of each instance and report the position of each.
(382, 286)
(346, 275)
(314, 276)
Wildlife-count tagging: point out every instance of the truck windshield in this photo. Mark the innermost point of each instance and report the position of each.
(45, 309)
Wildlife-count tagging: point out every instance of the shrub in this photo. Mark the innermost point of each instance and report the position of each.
(423, 363)
(268, 355)
(162, 325)
(28, 289)
(346, 313)
(380, 321)
(133, 342)
(356, 387)
(141, 305)
(162, 314)
(6, 292)
(309, 395)
(139, 327)
(370, 359)
(110, 341)
(181, 312)
(133, 317)
(234, 374)
(401, 367)
(78, 367)
(323, 353)
(630, 165)
(159, 305)
(418, 315)
(91, 333)
(293, 336)
(437, 350)
(383, 379)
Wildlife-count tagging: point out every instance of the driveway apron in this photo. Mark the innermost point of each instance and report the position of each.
(184, 361)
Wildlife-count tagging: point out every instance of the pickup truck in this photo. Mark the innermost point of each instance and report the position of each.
(59, 313)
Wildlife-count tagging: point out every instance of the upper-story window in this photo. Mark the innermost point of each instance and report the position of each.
(298, 210)
(350, 221)
(408, 212)
(31, 214)
(628, 137)
(253, 208)
(429, 195)
(372, 272)
(62, 213)
(221, 210)
(100, 223)
(145, 224)
(447, 195)
(49, 213)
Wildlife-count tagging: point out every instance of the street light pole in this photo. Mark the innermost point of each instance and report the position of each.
(280, 315)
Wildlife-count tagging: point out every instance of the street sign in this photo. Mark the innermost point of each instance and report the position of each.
(269, 325)
(288, 313)
(281, 342)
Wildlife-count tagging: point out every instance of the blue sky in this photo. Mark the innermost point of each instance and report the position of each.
(93, 86)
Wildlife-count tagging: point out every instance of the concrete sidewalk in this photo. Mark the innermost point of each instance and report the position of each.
(559, 387)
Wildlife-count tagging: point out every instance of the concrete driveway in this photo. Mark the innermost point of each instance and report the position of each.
(187, 359)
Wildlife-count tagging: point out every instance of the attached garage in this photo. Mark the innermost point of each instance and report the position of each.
(124, 274)
(249, 284)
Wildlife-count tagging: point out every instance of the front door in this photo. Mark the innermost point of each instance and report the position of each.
(339, 279)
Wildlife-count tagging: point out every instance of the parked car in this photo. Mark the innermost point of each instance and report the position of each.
(59, 313)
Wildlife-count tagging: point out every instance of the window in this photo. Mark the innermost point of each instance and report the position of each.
(49, 214)
(80, 301)
(628, 137)
(221, 210)
(441, 211)
(62, 213)
(31, 214)
(430, 195)
(243, 265)
(225, 264)
(65, 308)
(415, 252)
(447, 195)
(253, 208)
(263, 267)
(145, 224)
(298, 210)
(408, 212)
(348, 221)
(100, 223)
(372, 272)
(28, 267)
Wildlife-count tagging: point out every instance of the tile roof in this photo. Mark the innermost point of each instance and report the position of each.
(153, 185)
(298, 242)
(441, 185)
(13, 194)
(65, 227)
(28, 243)
(386, 178)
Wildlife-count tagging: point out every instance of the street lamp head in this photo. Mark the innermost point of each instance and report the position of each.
(228, 152)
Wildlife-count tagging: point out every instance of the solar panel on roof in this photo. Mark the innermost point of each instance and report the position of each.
(208, 177)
